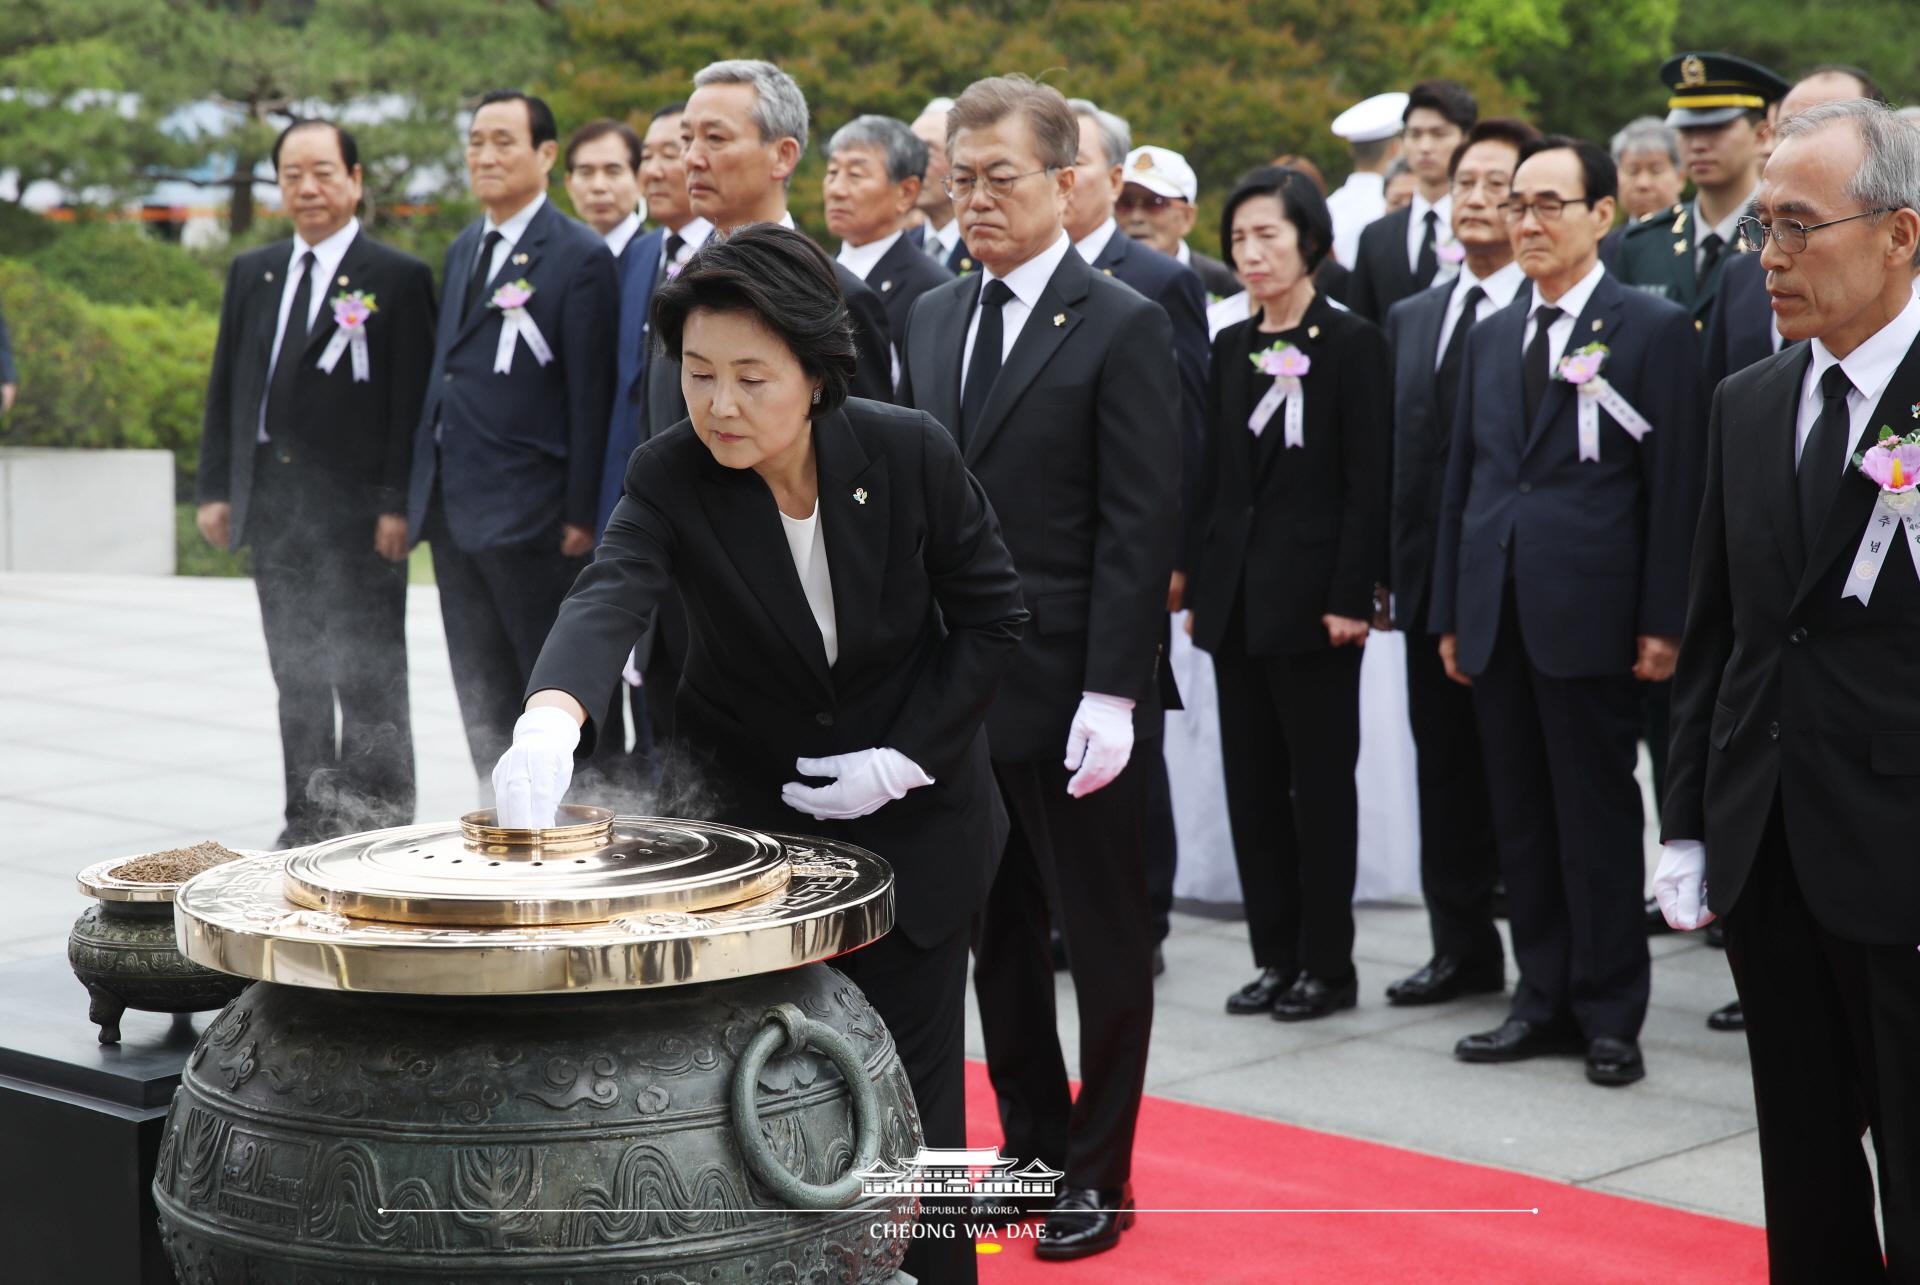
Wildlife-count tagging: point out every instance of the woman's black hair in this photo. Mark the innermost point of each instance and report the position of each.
(1300, 202)
(779, 277)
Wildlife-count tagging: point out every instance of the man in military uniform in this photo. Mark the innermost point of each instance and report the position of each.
(1719, 105)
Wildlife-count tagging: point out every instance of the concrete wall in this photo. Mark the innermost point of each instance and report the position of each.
(86, 511)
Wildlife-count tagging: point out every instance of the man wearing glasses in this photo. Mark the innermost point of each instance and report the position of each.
(1796, 714)
(1064, 402)
(1559, 586)
(1156, 207)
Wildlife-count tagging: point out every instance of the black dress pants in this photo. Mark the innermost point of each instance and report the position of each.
(921, 994)
(1159, 840)
(497, 605)
(334, 613)
(1459, 862)
(1088, 850)
(1833, 1034)
(1289, 741)
(1560, 755)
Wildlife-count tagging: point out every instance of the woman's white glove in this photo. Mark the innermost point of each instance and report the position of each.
(1099, 743)
(865, 780)
(1680, 884)
(532, 776)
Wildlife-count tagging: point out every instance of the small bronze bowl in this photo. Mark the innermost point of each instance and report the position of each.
(123, 950)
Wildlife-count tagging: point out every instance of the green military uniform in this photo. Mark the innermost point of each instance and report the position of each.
(1662, 252)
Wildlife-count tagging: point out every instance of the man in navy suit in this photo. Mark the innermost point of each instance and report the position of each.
(603, 182)
(875, 166)
(939, 237)
(1560, 579)
(507, 458)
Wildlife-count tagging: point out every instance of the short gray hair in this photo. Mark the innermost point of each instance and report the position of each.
(1646, 134)
(1889, 175)
(1116, 136)
(779, 108)
(905, 153)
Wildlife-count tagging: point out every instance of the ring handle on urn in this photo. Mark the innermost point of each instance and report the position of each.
(786, 1025)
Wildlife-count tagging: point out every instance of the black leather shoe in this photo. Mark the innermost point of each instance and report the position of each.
(1085, 1222)
(1516, 1040)
(1447, 977)
(1657, 924)
(1716, 934)
(1257, 996)
(1310, 997)
(1159, 961)
(1612, 1062)
(1057, 947)
(1730, 1018)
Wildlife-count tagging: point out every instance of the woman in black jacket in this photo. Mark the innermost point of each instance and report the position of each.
(850, 607)
(1287, 544)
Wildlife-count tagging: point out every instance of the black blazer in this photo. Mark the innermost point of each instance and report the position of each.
(9, 373)
(521, 453)
(903, 274)
(359, 434)
(1381, 277)
(1215, 277)
(1785, 689)
(1422, 435)
(1300, 531)
(1176, 288)
(1077, 451)
(927, 606)
(872, 339)
(1598, 549)
(1740, 330)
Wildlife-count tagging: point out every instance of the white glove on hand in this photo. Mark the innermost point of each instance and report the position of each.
(865, 781)
(1680, 884)
(1099, 743)
(532, 777)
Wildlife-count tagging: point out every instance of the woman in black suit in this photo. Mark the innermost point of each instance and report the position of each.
(1289, 539)
(851, 607)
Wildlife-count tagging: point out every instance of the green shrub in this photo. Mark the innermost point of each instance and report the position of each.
(22, 231)
(164, 356)
(114, 263)
(72, 390)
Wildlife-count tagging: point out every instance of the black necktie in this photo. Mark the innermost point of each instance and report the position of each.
(293, 342)
(482, 273)
(1446, 381)
(1534, 372)
(674, 242)
(1823, 458)
(1712, 245)
(1426, 265)
(985, 366)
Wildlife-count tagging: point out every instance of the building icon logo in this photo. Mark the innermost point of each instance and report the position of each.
(944, 1171)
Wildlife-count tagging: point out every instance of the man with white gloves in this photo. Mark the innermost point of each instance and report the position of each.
(1796, 729)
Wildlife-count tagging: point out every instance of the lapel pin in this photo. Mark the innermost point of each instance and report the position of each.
(1313, 332)
(343, 278)
(1679, 247)
(885, 286)
(519, 259)
(966, 265)
(269, 276)
(1108, 271)
(1597, 323)
(1059, 318)
(859, 495)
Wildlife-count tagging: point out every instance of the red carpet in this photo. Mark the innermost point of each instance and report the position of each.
(1189, 1157)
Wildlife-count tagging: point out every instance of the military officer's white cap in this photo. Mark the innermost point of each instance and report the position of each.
(1372, 119)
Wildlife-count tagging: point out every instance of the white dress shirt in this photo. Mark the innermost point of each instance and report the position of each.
(863, 259)
(1354, 204)
(940, 244)
(807, 543)
(1026, 282)
(1094, 243)
(1417, 226)
(1500, 287)
(326, 263)
(1870, 367)
(623, 232)
(1571, 305)
(510, 232)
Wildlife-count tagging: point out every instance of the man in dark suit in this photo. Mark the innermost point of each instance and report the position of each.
(875, 166)
(743, 134)
(602, 162)
(939, 236)
(506, 465)
(1156, 207)
(1105, 141)
(1795, 723)
(317, 380)
(1408, 250)
(1061, 397)
(1559, 580)
(1458, 861)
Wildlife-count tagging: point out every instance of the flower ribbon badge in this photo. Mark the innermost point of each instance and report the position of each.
(351, 312)
(1582, 370)
(1894, 466)
(1288, 366)
(511, 299)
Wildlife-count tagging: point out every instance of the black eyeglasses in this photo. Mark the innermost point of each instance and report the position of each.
(1791, 234)
(1546, 208)
(959, 187)
(1143, 201)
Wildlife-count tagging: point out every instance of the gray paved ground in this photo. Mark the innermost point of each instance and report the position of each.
(137, 713)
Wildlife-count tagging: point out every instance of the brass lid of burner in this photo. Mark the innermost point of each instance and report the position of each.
(591, 868)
